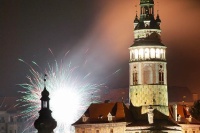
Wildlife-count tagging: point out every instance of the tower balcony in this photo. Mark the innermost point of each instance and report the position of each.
(147, 53)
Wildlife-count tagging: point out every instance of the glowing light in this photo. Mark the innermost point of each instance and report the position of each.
(146, 53)
(70, 94)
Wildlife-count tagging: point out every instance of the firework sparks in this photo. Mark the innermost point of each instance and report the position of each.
(70, 93)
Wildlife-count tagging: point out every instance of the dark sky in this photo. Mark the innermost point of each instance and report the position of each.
(103, 28)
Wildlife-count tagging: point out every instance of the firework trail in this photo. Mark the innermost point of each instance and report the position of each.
(70, 93)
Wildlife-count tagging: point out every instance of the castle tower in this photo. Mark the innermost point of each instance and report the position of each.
(147, 66)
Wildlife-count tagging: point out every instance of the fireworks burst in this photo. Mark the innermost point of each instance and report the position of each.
(70, 93)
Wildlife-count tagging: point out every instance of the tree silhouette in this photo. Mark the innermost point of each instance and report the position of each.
(195, 110)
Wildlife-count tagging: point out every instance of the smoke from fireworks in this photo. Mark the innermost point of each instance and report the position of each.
(70, 93)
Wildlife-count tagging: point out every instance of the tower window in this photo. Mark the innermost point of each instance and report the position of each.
(152, 53)
(157, 53)
(135, 78)
(44, 104)
(141, 54)
(161, 77)
(136, 54)
(161, 54)
(146, 53)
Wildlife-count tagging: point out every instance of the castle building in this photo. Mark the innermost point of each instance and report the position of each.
(11, 120)
(148, 109)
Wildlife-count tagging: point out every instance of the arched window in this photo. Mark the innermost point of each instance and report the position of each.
(136, 54)
(146, 53)
(164, 52)
(141, 54)
(161, 54)
(132, 55)
(157, 53)
(161, 77)
(152, 53)
(135, 78)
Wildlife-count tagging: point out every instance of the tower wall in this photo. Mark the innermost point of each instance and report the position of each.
(148, 72)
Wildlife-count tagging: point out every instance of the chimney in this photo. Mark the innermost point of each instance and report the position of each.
(195, 97)
(150, 115)
(175, 112)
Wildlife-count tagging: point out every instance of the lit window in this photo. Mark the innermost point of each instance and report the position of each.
(132, 55)
(157, 53)
(44, 104)
(179, 117)
(161, 54)
(152, 53)
(84, 118)
(146, 53)
(141, 54)
(110, 117)
(164, 54)
(136, 54)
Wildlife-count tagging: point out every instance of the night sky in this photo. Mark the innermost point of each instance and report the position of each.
(100, 31)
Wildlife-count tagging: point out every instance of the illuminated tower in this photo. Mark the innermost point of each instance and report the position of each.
(147, 67)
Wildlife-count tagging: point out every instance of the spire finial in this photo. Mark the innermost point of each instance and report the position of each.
(158, 8)
(45, 75)
(136, 10)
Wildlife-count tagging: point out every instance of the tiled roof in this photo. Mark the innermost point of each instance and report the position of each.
(97, 113)
(183, 111)
(147, 43)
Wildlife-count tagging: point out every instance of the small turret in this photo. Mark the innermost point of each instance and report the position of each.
(136, 21)
(158, 19)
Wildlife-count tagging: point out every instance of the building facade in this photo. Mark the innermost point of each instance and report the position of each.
(11, 120)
